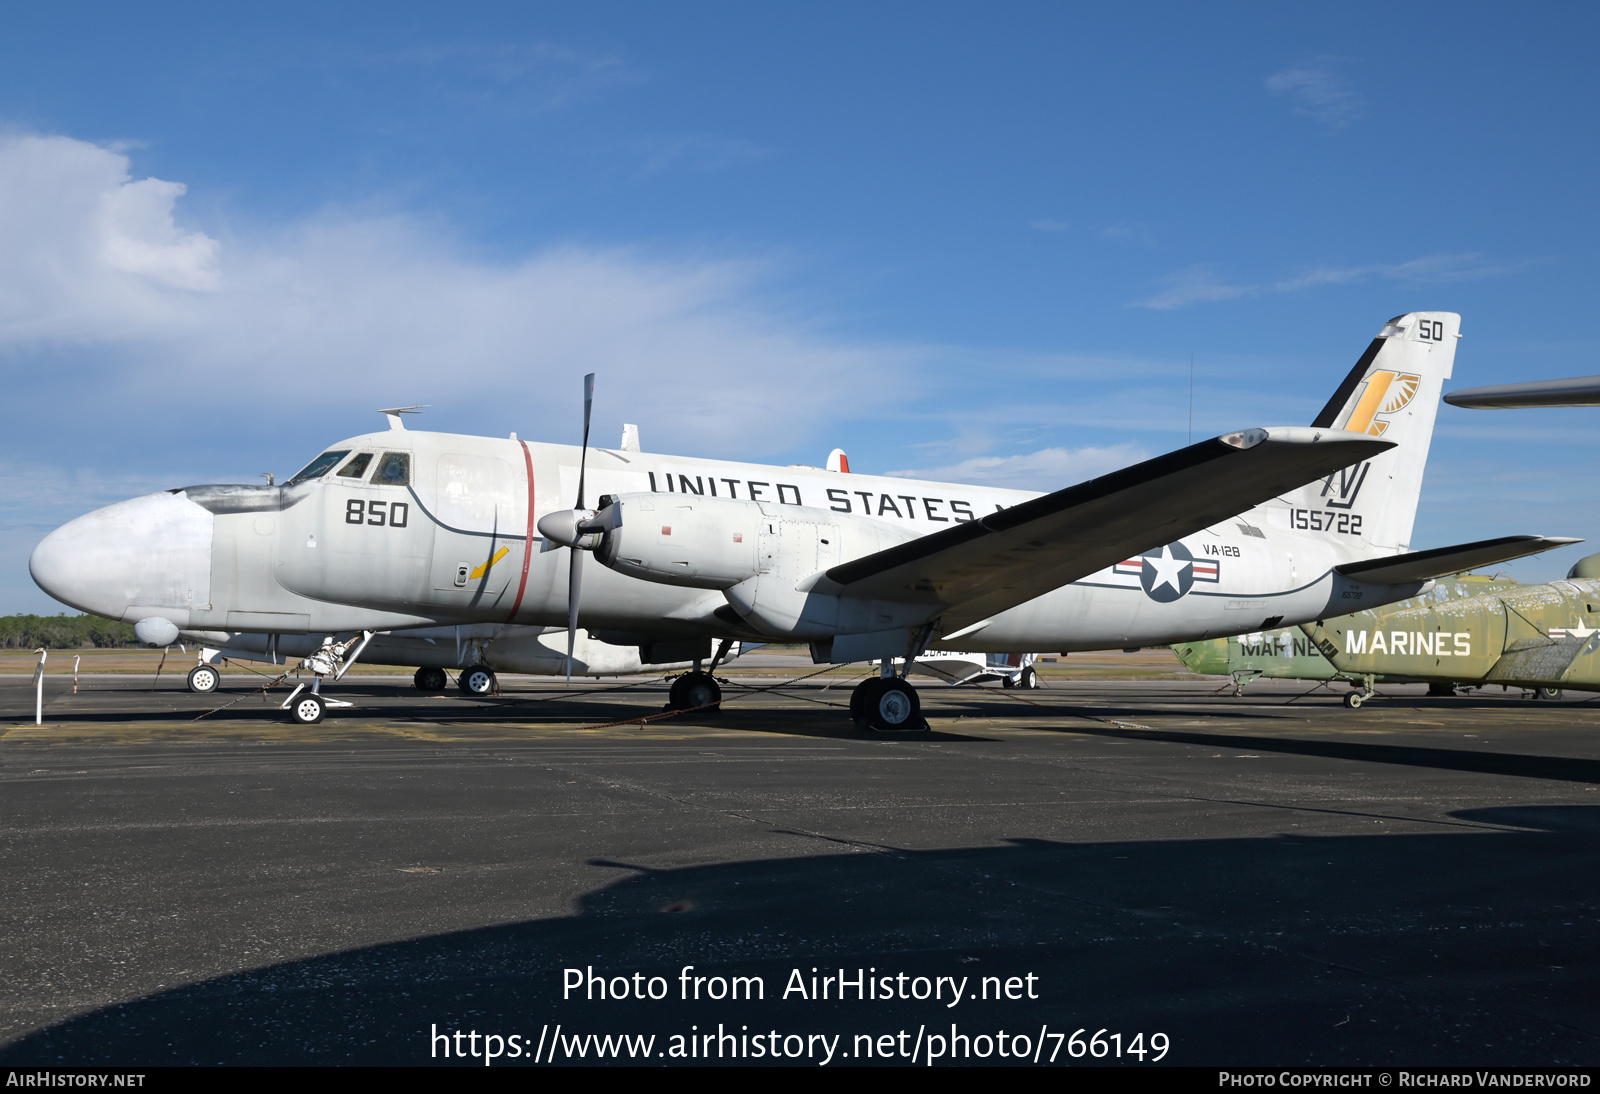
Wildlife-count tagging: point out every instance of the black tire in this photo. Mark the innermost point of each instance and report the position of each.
(1441, 691)
(697, 691)
(477, 680)
(1551, 694)
(430, 680)
(1029, 679)
(307, 709)
(203, 679)
(895, 708)
(1008, 681)
(862, 698)
(1354, 700)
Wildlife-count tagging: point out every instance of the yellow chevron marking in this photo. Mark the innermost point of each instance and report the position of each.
(481, 570)
(1371, 399)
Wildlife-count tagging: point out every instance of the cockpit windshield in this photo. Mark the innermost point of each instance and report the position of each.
(356, 467)
(319, 466)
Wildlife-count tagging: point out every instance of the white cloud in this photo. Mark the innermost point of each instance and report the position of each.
(503, 76)
(697, 152)
(1201, 285)
(1318, 91)
(1194, 285)
(86, 251)
(330, 318)
(1129, 231)
(1046, 469)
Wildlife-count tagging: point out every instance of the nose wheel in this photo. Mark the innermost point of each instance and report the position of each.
(203, 679)
(887, 705)
(308, 706)
(308, 709)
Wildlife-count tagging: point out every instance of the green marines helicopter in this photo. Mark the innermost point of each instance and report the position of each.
(1468, 631)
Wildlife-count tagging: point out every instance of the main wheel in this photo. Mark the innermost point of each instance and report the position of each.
(694, 691)
(1441, 691)
(1008, 681)
(477, 680)
(1354, 700)
(203, 679)
(1029, 679)
(1547, 693)
(862, 698)
(896, 709)
(308, 709)
(430, 679)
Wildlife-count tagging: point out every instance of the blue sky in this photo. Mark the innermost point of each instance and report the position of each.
(981, 241)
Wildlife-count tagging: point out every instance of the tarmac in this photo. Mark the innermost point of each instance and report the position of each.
(1270, 880)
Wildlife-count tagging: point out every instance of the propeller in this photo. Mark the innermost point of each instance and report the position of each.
(575, 529)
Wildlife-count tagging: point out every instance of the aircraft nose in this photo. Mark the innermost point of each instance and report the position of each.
(145, 557)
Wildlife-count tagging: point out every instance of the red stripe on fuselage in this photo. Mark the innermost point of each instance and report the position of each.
(527, 543)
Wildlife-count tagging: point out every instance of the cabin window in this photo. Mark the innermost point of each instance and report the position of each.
(356, 467)
(393, 470)
(319, 466)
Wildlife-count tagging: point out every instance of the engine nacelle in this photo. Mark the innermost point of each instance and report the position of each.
(760, 554)
(704, 543)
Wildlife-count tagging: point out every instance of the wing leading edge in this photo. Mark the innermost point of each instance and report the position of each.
(1006, 558)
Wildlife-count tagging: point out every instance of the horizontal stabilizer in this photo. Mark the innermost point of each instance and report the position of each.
(1574, 391)
(1003, 559)
(1422, 565)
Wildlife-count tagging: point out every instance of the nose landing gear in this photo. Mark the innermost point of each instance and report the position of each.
(307, 708)
(203, 679)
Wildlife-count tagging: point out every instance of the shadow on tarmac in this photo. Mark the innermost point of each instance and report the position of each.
(1471, 944)
(1564, 768)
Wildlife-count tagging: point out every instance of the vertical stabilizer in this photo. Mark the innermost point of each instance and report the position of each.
(1392, 392)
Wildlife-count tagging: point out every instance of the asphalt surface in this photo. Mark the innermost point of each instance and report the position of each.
(1263, 882)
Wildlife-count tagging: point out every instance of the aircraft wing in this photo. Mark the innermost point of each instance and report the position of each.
(1422, 565)
(1575, 391)
(1003, 559)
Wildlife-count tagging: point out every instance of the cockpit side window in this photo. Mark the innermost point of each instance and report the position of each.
(393, 470)
(356, 467)
(319, 466)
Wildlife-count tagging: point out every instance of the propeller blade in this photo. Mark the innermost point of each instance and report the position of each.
(588, 406)
(574, 587)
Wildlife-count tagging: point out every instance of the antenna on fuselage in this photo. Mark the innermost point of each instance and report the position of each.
(393, 414)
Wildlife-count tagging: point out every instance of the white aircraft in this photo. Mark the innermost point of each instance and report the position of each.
(1252, 530)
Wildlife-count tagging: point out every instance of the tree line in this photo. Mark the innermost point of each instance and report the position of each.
(64, 632)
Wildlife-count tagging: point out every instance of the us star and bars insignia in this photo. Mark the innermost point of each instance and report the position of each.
(1169, 572)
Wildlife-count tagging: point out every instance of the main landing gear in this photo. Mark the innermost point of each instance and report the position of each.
(887, 704)
(695, 690)
(698, 690)
(477, 680)
(430, 681)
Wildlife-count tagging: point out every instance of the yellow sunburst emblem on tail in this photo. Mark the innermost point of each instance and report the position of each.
(1386, 393)
(481, 570)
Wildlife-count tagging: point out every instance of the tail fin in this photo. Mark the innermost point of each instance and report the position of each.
(1393, 392)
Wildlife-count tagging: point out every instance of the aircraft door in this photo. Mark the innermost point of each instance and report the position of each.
(480, 508)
